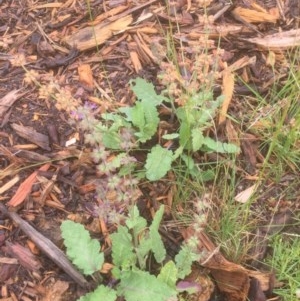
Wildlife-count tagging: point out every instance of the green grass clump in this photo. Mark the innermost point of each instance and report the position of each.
(285, 262)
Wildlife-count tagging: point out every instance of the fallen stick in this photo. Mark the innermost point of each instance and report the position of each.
(46, 246)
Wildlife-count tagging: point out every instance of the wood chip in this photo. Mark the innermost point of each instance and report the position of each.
(7, 101)
(254, 16)
(93, 36)
(86, 75)
(227, 87)
(279, 41)
(9, 184)
(25, 188)
(31, 135)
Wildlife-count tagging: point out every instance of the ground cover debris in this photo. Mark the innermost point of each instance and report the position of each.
(149, 148)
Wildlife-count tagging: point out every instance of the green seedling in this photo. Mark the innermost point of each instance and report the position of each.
(133, 244)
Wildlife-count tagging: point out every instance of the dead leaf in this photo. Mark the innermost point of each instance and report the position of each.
(232, 279)
(245, 195)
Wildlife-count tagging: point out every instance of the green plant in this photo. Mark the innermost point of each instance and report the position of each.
(274, 119)
(132, 246)
(285, 262)
(231, 223)
(131, 127)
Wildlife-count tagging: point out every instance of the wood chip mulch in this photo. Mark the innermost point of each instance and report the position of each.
(90, 50)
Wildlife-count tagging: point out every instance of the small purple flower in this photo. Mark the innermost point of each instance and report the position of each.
(76, 115)
(90, 105)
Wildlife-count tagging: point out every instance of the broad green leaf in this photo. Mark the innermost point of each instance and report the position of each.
(127, 111)
(158, 163)
(204, 117)
(197, 139)
(145, 117)
(140, 285)
(208, 112)
(138, 115)
(151, 241)
(145, 245)
(111, 139)
(195, 171)
(145, 91)
(185, 135)
(122, 248)
(157, 247)
(184, 260)
(199, 99)
(117, 120)
(81, 249)
(157, 219)
(100, 293)
(168, 274)
(171, 136)
(136, 222)
(151, 124)
(220, 147)
(127, 169)
(151, 114)
(187, 116)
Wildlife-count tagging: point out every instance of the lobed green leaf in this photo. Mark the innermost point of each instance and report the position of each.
(168, 274)
(157, 245)
(145, 91)
(220, 147)
(122, 248)
(81, 249)
(140, 285)
(100, 293)
(184, 260)
(158, 163)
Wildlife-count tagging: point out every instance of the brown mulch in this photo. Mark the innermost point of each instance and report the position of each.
(91, 52)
